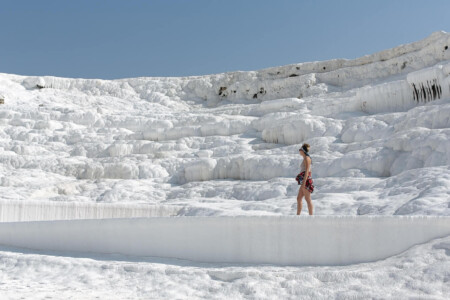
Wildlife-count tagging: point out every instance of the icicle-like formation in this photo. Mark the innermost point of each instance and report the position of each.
(14, 211)
(271, 240)
(427, 84)
(419, 87)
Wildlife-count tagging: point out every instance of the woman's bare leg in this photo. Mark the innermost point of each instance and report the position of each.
(299, 201)
(309, 202)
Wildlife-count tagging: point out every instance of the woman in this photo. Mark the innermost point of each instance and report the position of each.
(306, 186)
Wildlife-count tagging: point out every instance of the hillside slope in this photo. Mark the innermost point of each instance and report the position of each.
(221, 152)
(227, 144)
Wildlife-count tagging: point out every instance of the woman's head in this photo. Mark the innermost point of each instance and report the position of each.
(304, 149)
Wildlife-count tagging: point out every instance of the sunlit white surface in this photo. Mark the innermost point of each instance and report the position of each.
(227, 145)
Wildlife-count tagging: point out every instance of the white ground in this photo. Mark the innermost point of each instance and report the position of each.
(421, 272)
(227, 144)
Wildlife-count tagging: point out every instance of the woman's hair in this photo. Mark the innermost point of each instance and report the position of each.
(305, 148)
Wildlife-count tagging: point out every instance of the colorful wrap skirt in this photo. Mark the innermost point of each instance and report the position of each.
(309, 181)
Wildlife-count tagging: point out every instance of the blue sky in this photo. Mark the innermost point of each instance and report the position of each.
(118, 39)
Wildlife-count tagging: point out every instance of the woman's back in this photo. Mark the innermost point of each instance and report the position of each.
(303, 164)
